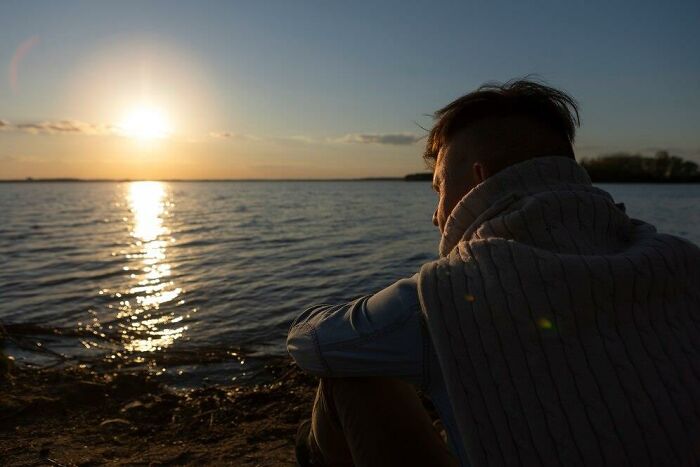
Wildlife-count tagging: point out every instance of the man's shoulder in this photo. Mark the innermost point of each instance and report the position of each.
(680, 242)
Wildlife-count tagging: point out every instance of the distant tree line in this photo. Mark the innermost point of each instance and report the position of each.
(625, 167)
(419, 177)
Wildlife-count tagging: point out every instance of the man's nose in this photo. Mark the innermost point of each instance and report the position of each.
(435, 219)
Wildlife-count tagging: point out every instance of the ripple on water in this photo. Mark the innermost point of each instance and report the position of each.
(181, 274)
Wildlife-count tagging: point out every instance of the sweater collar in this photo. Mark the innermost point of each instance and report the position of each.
(496, 193)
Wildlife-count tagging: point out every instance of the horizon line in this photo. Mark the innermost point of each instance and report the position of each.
(127, 180)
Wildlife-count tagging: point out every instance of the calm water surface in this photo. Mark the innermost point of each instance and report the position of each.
(201, 280)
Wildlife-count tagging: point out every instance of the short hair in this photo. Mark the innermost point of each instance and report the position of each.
(523, 97)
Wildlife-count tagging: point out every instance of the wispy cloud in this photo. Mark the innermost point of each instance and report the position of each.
(233, 136)
(295, 139)
(394, 139)
(77, 127)
(230, 135)
(302, 139)
(59, 127)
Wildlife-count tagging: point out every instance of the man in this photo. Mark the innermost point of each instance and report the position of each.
(553, 330)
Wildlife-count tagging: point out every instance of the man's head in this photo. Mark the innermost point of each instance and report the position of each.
(491, 128)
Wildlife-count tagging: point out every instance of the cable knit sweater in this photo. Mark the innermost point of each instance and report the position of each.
(568, 333)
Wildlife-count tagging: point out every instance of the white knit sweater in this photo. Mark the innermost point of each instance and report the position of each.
(568, 333)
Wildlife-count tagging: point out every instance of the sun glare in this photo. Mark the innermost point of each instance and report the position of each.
(146, 123)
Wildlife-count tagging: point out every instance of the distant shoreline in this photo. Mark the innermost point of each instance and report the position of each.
(208, 180)
(407, 178)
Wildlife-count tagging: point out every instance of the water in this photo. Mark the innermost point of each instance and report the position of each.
(202, 279)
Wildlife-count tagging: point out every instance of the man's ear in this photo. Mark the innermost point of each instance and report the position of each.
(479, 172)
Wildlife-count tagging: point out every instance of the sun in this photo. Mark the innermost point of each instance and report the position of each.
(146, 123)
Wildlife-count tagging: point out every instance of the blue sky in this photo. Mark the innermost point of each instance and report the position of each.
(319, 89)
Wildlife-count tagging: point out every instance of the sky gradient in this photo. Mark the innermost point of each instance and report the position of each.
(323, 89)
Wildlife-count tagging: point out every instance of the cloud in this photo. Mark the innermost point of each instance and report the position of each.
(302, 139)
(233, 136)
(295, 139)
(394, 139)
(272, 139)
(59, 127)
(65, 127)
(222, 134)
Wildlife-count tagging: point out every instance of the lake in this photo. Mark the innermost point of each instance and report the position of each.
(199, 281)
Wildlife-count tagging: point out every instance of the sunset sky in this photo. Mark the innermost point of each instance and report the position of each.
(294, 89)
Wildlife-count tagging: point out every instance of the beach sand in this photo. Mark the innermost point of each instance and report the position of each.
(78, 417)
(74, 417)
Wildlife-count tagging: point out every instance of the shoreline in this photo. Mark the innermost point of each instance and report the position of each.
(408, 178)
(198, 180)
(74, 416)
(79, 417)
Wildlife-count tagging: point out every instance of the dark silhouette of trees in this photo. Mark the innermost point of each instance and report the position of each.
(624, 167)
(419, 177)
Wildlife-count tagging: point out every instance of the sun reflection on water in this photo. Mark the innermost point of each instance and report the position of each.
(144, 327)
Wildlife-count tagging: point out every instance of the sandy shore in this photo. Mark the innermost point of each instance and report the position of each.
(73, 417)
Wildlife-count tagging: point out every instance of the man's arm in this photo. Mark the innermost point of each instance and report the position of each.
(376, 335)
